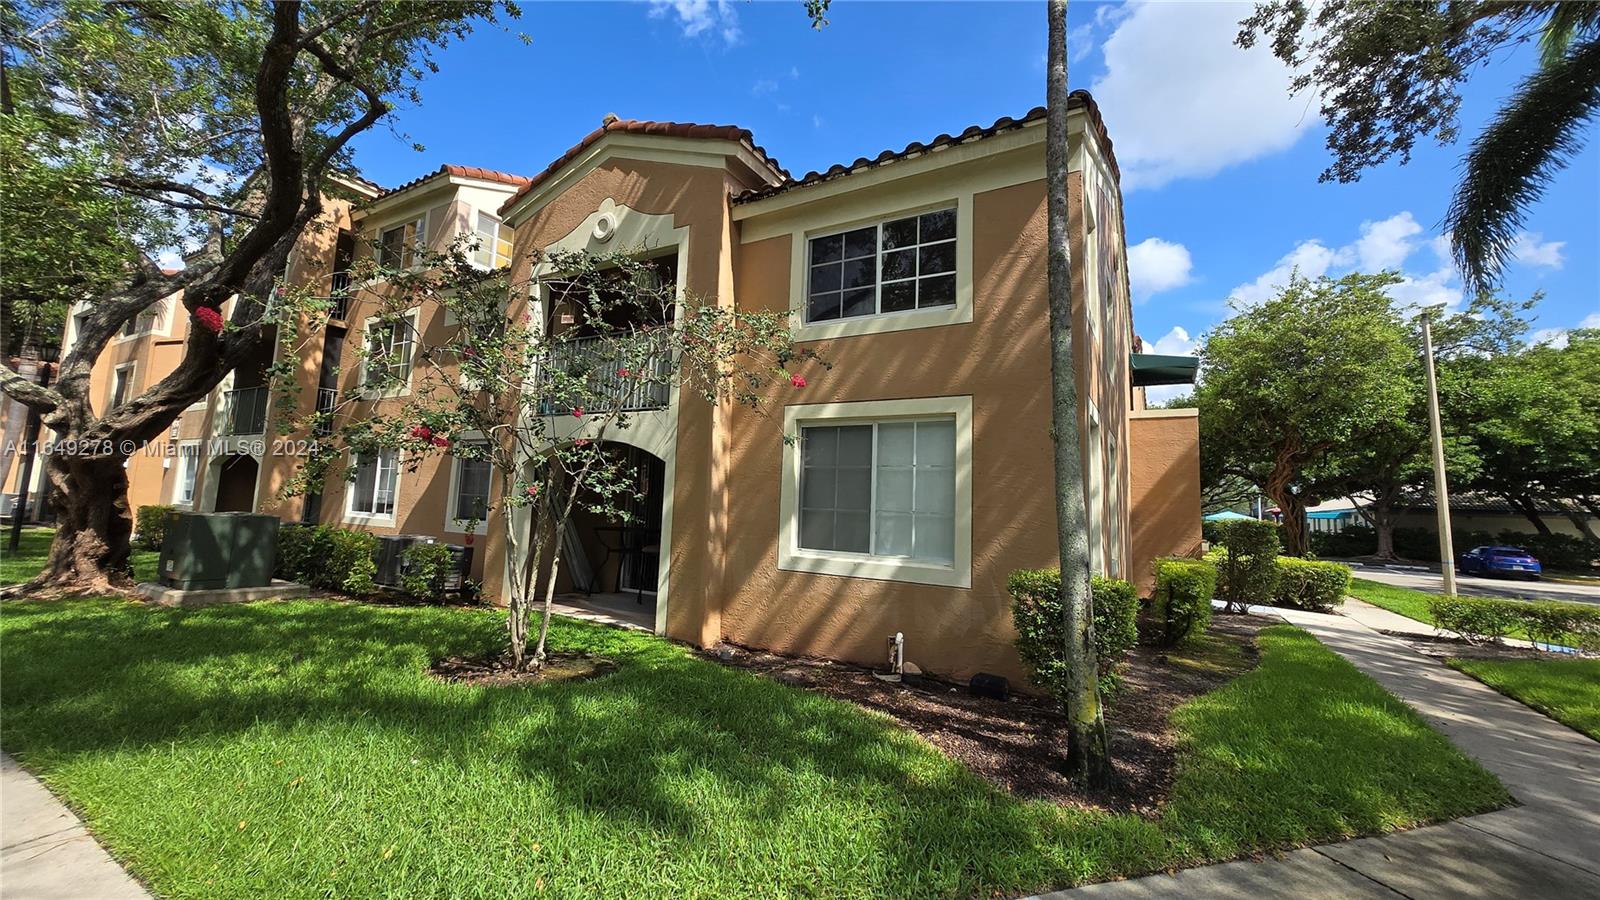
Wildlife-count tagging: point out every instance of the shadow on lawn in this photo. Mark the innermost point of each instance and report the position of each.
(703, 759)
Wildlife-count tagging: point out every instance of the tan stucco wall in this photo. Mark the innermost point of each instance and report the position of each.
(1165, 474)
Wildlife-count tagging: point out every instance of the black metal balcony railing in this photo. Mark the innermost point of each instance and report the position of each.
(245, 411)
(327, 399)
(339, 295)
(604, 387)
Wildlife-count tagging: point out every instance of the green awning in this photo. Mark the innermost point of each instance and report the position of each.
(1151, 369)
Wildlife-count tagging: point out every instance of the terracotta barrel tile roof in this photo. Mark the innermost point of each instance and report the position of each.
(636, 126)
(971, 133)
(476, 172)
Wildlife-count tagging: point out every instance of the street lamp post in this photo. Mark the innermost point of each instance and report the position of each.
(1441, 491)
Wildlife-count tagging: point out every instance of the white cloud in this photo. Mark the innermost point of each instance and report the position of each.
(1531, 249)
(1382, 244)
(1176, 342)
(698, 17)
(1155, 265)
(1557, 337)
(1312, 259)
(1181, 101)
(1080, 43)
(763, 86)
(816, 120)
(1387, 243)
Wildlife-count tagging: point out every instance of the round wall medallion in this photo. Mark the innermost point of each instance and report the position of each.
(605, 228)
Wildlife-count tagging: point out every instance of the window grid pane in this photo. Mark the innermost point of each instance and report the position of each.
(912, 266)
(903, 473)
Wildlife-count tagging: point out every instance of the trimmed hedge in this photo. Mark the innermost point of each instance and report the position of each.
(1310, 585)
(322, 556)
(150, 524)
(1247, 564)
(1182, 600)
(1545, 621)
(1041, 641)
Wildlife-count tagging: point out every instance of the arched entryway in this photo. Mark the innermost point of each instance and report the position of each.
(618, 565)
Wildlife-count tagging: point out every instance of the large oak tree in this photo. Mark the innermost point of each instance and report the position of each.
(217, 126)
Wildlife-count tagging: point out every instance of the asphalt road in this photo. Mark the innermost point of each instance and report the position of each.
(1433, 583)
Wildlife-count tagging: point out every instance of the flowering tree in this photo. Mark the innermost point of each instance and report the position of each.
(542, 397)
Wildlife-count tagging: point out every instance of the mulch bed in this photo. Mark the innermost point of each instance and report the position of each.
(1019, 744)
(496, 671)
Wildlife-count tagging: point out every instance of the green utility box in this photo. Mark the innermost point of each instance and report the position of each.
(218, 551)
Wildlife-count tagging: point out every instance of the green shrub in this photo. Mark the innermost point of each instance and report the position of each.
(1182, 600)
(1554, 551)
(322, 556)
(1247, 565)
(150, 526)
(1475, 618)
(1310, 585)
(1352, 540)
(1559, 622)
(423, 570)
(1041, 642)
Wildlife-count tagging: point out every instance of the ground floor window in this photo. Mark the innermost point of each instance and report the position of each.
(372, 492)
(469, 492)
(188, 469)
(879, 489)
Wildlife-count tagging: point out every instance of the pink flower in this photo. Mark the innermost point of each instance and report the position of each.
(581, 442)
(577, 412)
(798, 381)
(623, 373)
(421, 432)
(209, 319)
(441, 442)
(533, 490)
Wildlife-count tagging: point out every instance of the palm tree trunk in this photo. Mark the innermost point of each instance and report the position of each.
(1088, 753)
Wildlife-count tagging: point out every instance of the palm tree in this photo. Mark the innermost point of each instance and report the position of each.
(1536, 133)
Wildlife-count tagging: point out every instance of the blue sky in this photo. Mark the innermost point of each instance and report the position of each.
(1220, 164)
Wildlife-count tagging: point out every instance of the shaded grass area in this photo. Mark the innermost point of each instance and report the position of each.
(1404, 601)
(1567, 690)
(300, 749)
(21, 565)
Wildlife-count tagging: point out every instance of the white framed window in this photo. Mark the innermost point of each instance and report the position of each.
(468, 504)
(121, 384)
(144, 323)
(494, 242)
(390, 346)
(398, 245)
(879, 489)
(895, 266)
(371, 496)
(188, 470)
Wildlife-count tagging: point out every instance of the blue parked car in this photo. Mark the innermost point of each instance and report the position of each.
(1513, 561)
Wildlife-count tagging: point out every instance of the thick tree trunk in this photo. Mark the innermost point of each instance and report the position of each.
(1581, 522)
(1296, 540)
(1088, 752)
(90, 553)
(1383, 522)
(1524, 504)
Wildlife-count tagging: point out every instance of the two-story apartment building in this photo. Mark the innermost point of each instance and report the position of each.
(893, 493)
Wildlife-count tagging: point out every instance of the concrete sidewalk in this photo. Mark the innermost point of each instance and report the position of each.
(1547, 847)
(46, 853)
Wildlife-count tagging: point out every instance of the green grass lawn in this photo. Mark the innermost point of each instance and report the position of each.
(299, 749)
(1405, 601)
(1567, 690)
(18, 567)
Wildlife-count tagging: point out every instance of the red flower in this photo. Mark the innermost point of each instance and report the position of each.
(623, 373)
(577, 412)
(467, 540)
(797, 380)
(421, 432)
(209, 318)
(441, 442)
(581, 442)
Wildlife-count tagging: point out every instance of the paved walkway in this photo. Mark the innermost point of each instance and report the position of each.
(1549, 846)
(46, 853)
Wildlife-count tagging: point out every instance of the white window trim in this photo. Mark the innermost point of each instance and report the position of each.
(351, 516)
(793, 558)
(413, 316)
(177, 482)
(425, 217)
(500, 228)
(877, 323)
(453, 524)
(132, 368)
(155, 314)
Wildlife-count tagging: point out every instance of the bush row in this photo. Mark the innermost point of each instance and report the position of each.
(1182, 599)
(323, 556)
(1310, 585)
(1545, 621)
(1041, 640)
(1556, 551)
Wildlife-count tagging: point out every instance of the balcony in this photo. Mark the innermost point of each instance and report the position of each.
(327, 399)
(598, 363)
(244, 411)
(339, 295)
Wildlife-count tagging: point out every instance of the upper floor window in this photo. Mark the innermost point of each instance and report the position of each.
(494, 243)
(144, 323)
(389, 346)
(121, 384)
(398, 246)
(894, 266)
